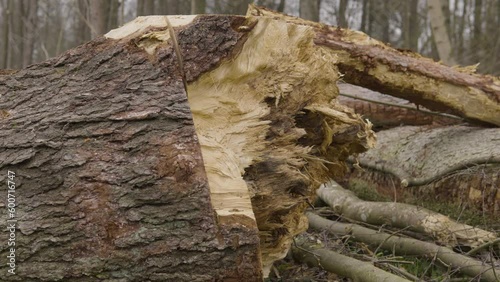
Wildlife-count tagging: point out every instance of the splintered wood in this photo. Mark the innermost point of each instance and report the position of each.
(118, 155)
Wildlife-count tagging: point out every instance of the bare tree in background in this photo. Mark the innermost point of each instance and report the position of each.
(342, 17)
(34, 30)
(6, 6)
(98, 20)
(410, 25)
(272, 4)
(309, 9)
(439, 33)
(82, 26)
(378, 19)
(29, 20)
(198, 7)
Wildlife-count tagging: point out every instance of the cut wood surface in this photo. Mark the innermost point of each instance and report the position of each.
(367, 62)
(122, 174)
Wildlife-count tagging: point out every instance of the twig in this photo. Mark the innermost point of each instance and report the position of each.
(483, 246)
(401, 272)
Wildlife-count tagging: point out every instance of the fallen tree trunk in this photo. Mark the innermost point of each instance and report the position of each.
(367, 62)
(122, 174)
(404, 216)
(457, 164)
(407, 246)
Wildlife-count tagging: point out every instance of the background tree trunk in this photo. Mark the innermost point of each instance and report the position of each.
(98, 17)
(309, 9)
(439, 32)
(198, 7)
(6, 8)
(17, 34)
(30, 19)
(82, 26)
(342, 19)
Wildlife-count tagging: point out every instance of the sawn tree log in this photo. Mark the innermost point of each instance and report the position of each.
(122, 175)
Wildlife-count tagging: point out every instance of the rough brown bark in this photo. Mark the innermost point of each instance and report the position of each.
(109, 173)
(386, 111)
(120, 177)
(369, 63)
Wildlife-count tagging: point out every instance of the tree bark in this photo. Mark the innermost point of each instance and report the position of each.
(140, 8)
(82, 27)
(439, 32)
(17, 35)
(386, 111)
(121, 172)
(309, 9)
(364, 16)
(198, 7)
(29, 20)
(313, 255)
(407, 246)
(149, 7)
(374, 65)
(342, 19)
(457, 164)
(411, 31)
(98, 17)
(442, 228)
(6, 9)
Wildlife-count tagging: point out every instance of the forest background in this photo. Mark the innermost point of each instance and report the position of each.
(467, 30)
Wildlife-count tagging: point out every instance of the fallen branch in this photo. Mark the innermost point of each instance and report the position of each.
(367, 62)
(389, 111)
(482, 247)
(342, 265)
(440, 227)
(405, 246)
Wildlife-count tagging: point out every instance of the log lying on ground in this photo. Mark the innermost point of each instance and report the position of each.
(314, 255)
(442, 228)
(386, 111)
(369, 63)
(457, 164)
(407, 246)
(123, 175)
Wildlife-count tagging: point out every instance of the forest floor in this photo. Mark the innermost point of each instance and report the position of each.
(422, 269)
